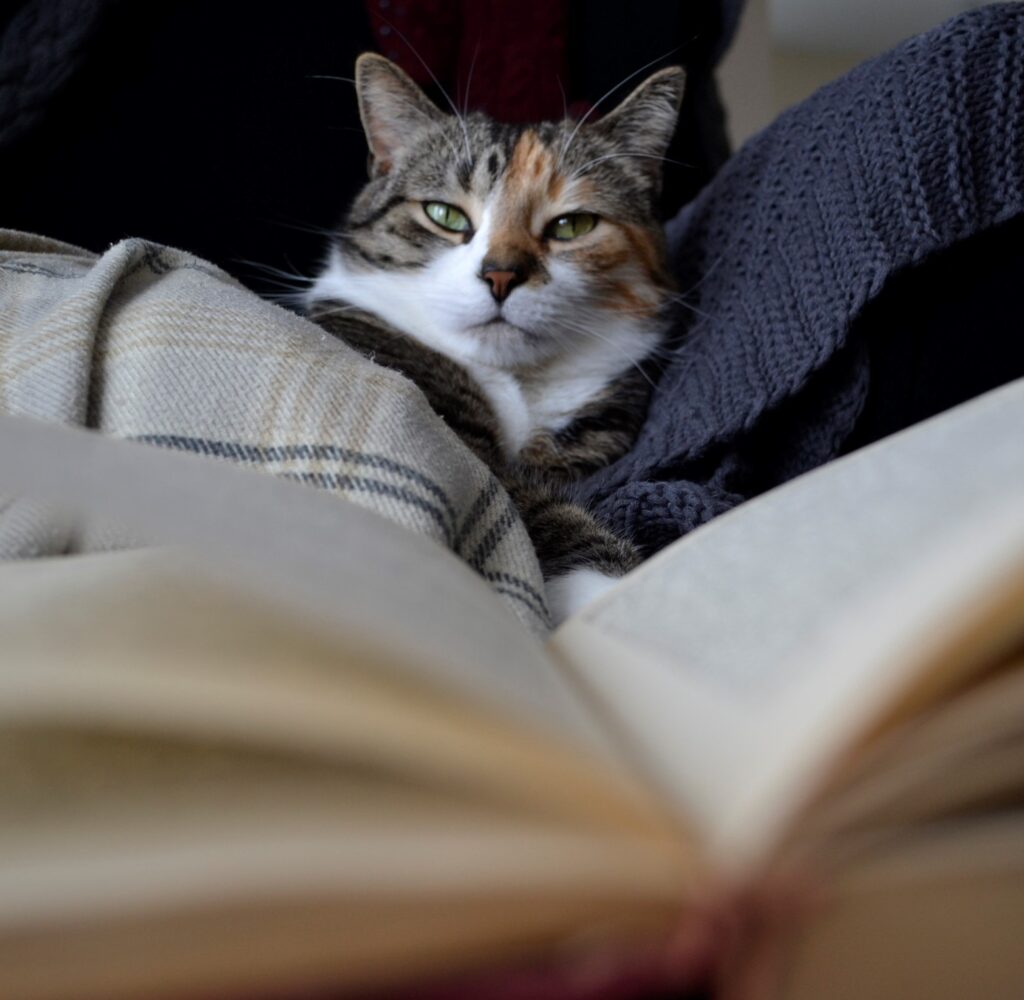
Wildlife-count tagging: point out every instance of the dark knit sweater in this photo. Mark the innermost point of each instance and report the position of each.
(910, 153)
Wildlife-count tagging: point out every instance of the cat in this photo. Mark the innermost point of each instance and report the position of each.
(517, 274)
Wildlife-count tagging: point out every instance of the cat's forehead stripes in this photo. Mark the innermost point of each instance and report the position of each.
(522, 196)
(530, 160)
(523, 177)
(530, 193)
(533, 169)
(546, 159)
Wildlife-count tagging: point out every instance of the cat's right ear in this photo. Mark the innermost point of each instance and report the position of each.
(391, 107)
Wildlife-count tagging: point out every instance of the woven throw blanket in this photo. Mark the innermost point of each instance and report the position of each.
(152, 344)
(908, 154)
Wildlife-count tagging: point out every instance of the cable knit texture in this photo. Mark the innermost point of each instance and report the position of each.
(40, 51)
(908, 154)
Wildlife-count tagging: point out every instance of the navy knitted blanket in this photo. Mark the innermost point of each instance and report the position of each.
(804, 226)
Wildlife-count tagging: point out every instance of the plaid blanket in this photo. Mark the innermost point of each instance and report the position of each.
(152, 344)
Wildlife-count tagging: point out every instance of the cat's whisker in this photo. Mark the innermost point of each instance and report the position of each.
(661, 351)
(324, 76)
(339, 310)
(469, 79)
(681, 298)
(590, 332)
(437, 83)
(301, 227)
(565, 102)
(680, 301)
(276, 272)
(294, 301)
(279, 272)
(704, 277)
(614, 156)
(572, 135)
(290, 289)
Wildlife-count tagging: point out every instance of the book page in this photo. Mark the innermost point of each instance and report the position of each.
(966, 755)
(739, 662)
(150, 646)
(313, 730)
(115, 849)
(404, 601)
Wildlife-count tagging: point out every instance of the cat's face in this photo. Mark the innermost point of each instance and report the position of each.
(507, 245)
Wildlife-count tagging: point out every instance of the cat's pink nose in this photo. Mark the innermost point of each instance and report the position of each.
(501, 282)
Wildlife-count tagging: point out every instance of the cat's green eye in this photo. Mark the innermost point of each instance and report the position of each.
(447, 216)
(568, 227)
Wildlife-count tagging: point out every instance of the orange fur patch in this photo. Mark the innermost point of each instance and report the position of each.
(625, 261)
(531, 159)
(530, 180)
(622, 297)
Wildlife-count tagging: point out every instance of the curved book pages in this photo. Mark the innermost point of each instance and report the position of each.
(280, 744)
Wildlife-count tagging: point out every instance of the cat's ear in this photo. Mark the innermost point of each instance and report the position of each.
(644, 123)
(392, 108)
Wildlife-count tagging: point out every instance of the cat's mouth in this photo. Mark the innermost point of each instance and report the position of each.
(499, 326)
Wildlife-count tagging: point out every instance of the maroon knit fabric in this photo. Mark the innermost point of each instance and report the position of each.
(508, 59)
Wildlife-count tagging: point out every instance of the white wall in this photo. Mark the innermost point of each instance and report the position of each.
(786, 49)
(855, 25)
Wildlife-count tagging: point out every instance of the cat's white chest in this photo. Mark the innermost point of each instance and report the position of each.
(548, 403)
(528, 393)
(510, 406)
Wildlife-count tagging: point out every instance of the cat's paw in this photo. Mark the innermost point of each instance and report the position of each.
(569, 593)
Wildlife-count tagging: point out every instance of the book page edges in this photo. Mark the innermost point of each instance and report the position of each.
(741, 770)
(162, 647)
(313, 935)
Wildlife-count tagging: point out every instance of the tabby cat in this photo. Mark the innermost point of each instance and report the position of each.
(517, 274)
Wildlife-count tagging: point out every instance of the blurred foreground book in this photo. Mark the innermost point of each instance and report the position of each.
(296, 747)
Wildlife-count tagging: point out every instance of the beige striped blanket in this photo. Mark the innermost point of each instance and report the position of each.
(152, 344)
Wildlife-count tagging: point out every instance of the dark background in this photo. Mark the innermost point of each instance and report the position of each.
(214, 127)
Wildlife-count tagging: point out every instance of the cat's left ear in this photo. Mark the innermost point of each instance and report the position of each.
(645, 121)
(393, 109)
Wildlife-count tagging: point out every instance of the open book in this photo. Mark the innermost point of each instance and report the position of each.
(299, 747)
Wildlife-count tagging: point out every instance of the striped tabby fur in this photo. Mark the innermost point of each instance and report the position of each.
(528, 306)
